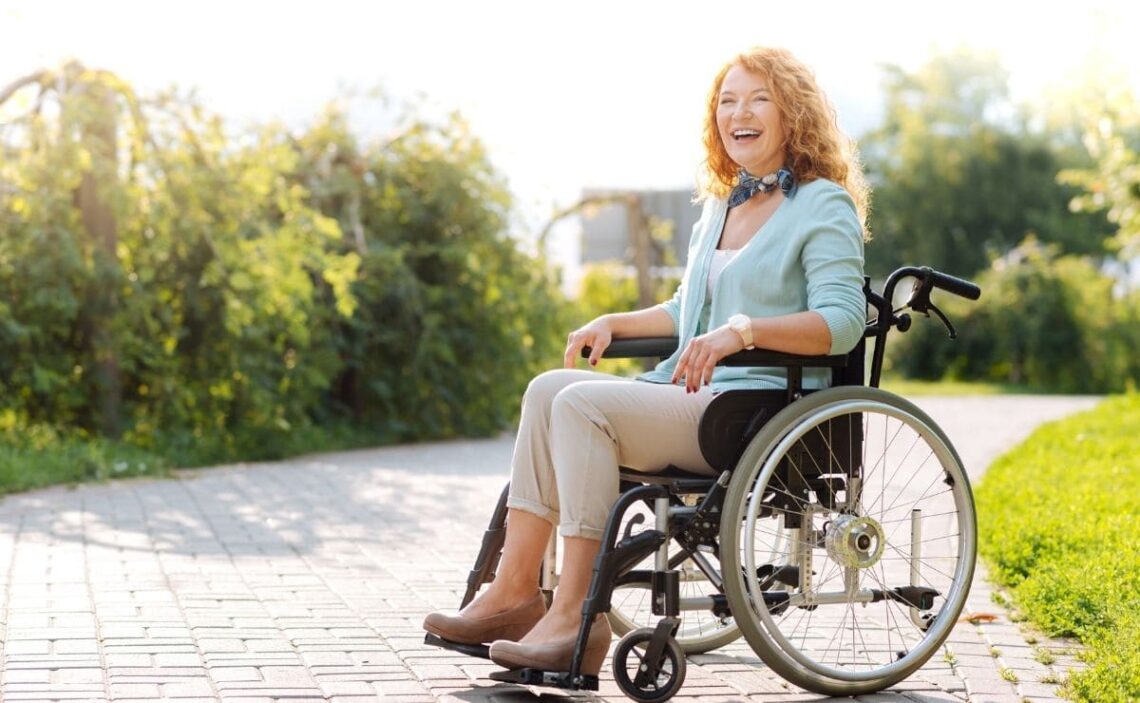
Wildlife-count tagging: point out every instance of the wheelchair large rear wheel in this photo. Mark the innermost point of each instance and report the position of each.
(848, 541)
(632, 600)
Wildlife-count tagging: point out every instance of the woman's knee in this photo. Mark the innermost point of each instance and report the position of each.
(577, 406)
(543, 387)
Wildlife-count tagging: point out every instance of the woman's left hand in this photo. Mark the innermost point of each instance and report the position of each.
(698, 361)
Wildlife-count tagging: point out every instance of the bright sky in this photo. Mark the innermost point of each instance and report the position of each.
(586, 93)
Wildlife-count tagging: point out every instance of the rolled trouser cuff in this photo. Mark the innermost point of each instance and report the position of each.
(534, 508)
(579, 529)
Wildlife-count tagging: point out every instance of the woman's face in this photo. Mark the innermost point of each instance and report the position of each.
(749, 122)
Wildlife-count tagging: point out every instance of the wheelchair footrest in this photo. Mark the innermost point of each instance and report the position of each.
(472, 650)
(538, 677)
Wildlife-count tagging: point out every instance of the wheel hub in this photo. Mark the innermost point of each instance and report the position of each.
(855, 542)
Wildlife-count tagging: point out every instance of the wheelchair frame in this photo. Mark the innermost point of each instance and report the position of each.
(745, 429)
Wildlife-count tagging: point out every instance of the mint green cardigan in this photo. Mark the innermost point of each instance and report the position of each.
(807, 256)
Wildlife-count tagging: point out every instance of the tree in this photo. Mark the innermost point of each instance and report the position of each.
(93, 106)
(959, 179)
(1112, 183)
(157, 277)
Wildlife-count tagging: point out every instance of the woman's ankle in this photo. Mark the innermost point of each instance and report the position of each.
(504, 596)
(565, 618)
(515, 589)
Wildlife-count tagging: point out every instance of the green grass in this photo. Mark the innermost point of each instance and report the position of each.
(1044, 655)
(38, 456)
(908, 387)
(1059, 522)
(35, 457)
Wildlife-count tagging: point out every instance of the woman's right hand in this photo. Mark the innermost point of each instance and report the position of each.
(596, 335)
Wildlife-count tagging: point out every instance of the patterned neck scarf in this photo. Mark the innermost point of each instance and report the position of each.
(748, 185)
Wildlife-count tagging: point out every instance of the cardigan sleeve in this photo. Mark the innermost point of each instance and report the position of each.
(673, 307)
(832, 258)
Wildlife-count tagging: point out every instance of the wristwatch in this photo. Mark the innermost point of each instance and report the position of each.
(742, 325)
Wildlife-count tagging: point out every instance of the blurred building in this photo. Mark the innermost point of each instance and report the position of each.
(605, 229)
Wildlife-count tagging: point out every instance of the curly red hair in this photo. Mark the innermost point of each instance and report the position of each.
(815, 147)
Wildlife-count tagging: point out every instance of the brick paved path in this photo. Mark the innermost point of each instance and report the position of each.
(308, 579)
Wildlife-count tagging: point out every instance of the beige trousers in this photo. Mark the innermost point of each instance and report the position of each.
(577, 427)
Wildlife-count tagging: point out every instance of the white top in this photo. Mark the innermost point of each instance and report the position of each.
(720, 259)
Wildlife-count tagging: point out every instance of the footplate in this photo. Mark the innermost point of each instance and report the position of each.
(538, 677)
(472, 650)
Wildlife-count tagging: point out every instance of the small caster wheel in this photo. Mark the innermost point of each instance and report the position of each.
(644, 681)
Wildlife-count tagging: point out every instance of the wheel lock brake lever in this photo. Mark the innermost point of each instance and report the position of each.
(932, 308)
(920, 302)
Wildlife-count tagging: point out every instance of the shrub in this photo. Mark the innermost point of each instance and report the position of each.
(1048, 322)
(236, 296)
(610, 287)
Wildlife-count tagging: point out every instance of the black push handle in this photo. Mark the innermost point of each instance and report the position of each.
(953, 284)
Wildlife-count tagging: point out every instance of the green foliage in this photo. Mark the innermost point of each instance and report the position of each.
(610, 287)
(174, 290)
(209, 293)
(908, 387)
(453, 319)
(958, 177)
(41, 455)
(1112, 137)
(1058, 518)
(961, 179)
(1047, 322)
(241, 280)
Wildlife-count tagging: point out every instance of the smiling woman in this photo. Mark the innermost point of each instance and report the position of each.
(748, 122)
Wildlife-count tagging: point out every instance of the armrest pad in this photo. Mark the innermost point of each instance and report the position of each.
(767, 357)
(665, 346)
(637, 346)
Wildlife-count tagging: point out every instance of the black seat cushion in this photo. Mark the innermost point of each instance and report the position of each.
(680, 480)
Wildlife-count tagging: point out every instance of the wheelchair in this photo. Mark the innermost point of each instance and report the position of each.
(838, 539)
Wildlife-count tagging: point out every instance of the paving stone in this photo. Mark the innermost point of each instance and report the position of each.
(127, 691)
(233, 673)
(188, 689)
(1038, 690)
(934, 697)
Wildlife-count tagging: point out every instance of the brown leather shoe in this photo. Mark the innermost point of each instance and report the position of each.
(509, 624)
(556, 656)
